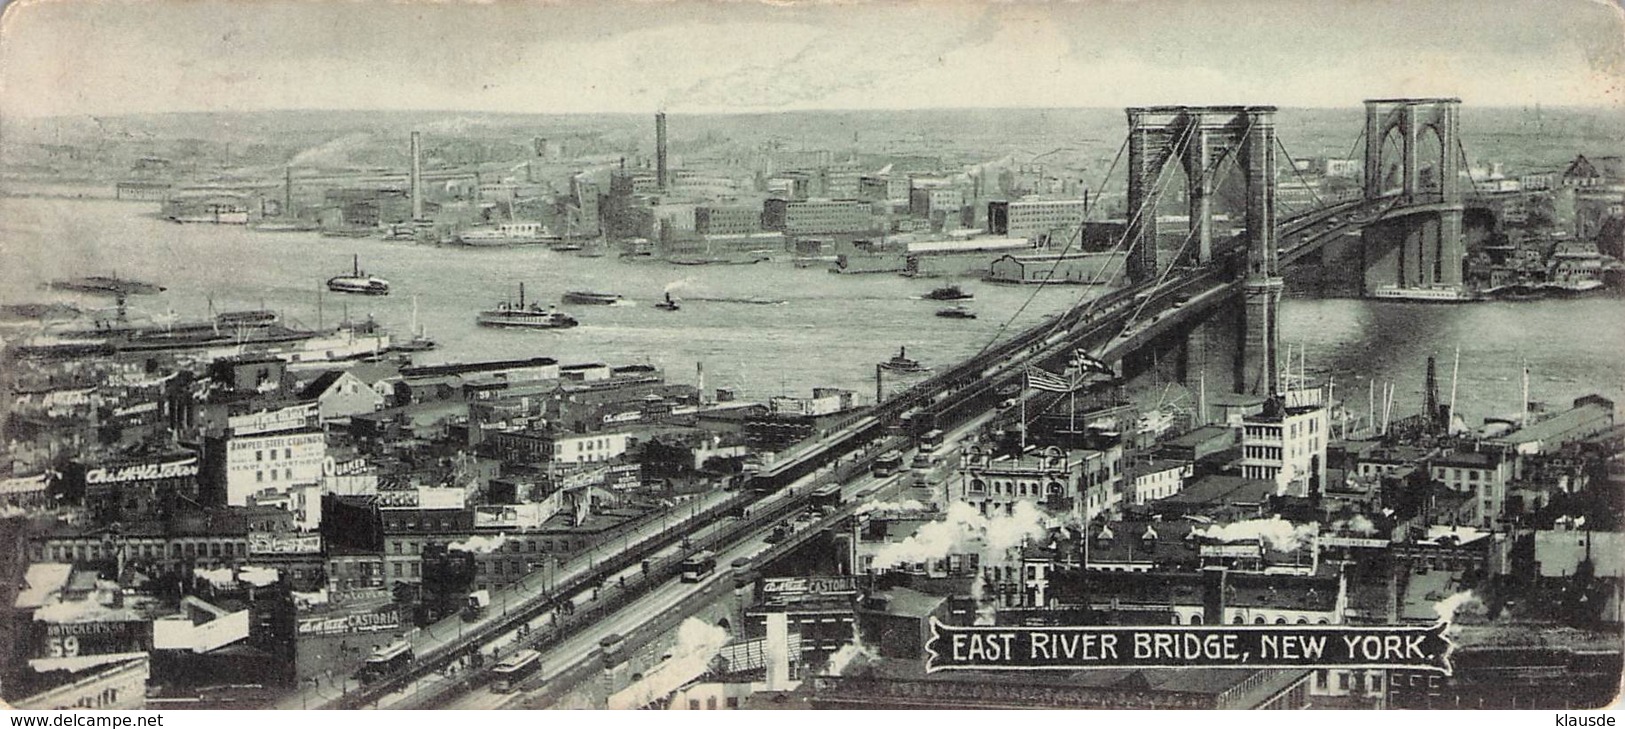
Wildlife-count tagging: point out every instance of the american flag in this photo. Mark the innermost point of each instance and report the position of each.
(1038, 379)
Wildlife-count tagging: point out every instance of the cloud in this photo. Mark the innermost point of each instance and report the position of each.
(692, 56)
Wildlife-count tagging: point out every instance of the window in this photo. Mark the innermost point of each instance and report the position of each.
(259, 455)
(287, 453)
(259, 477)
(273, 454)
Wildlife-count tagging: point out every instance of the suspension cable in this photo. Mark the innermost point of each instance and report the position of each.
(1299, 173)
(1226, 156)
(1062, 256)
(1084, 300)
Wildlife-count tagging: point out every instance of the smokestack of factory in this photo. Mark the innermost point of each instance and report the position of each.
(660, 151)
(417, 178)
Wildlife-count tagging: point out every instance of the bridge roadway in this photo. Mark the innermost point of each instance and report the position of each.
(572, 662)
(941, 401)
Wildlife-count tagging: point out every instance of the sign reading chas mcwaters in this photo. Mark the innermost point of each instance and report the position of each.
(1013, 648)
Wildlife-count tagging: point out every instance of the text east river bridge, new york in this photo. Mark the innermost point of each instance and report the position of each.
(994, 648)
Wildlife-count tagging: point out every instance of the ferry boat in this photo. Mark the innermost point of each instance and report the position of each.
(669, 304)
(504, 234)
(951, 292)
(507, 314)
(901, 363)
(358, 282)
(590, 298)
(956, 312)
(106, 285)
(1441, 294)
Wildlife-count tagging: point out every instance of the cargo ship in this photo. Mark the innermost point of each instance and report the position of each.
(510, 315)
(358, 282)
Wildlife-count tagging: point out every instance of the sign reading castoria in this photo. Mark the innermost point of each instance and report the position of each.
(178, 468)
(986, 648)
(368, 622)
(292, 417)
(787, 586)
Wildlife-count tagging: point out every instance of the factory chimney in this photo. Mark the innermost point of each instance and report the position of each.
(417, 178)
(1431, 406)
(287, 191)
(660, 151)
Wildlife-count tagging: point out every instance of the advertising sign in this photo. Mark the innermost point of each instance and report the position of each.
(368, 622)
(1353, 542)
(289, 418)
(1231, 550)
(788, 586)
(69, 640)
(281, 543)
(176, 468)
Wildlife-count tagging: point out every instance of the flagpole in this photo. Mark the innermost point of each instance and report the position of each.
(1024, 417)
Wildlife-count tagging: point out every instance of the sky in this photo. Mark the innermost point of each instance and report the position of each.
(722, 56)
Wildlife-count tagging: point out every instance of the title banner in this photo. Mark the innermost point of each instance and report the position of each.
(994, 648)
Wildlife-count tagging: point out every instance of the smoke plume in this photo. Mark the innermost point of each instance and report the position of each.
(1280, 534)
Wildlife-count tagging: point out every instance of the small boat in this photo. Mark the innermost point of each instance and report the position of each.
(420, 341)
(108, 285)
(956, 312)
(358, 282)
(669, 304)
(951, 292)
(508, 314)
(591, 298)
(901, 363)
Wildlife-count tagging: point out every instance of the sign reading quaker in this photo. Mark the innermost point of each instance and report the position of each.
(998, 648)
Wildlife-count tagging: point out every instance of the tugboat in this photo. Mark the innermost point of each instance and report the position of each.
(507, 314)
(956, 312)
(951, 292)
(901, 363)
(590, 298)
(669, 304)
(358, 282)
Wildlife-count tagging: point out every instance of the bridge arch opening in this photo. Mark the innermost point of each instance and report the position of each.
(1391, 161)
(1430, 162)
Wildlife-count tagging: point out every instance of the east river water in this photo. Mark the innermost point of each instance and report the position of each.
(830, 332)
